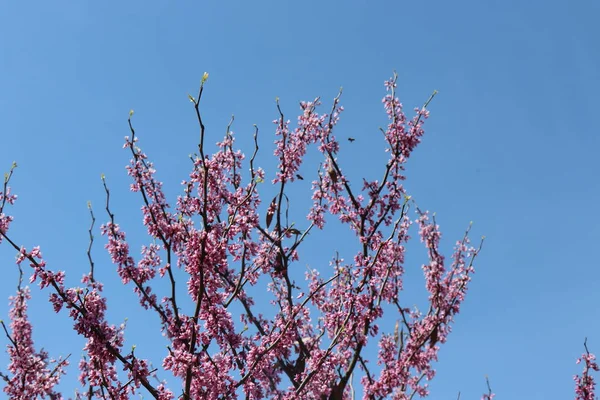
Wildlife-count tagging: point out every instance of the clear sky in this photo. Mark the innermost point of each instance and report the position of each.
(512, 144)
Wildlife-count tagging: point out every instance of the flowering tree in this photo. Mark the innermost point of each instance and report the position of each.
(317, 341)
(585, 384)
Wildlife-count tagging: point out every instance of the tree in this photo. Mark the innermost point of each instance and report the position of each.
(316, 342)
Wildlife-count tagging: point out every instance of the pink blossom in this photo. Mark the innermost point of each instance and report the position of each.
(585, 385)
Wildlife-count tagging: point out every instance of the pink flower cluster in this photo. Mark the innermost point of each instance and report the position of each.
(585, 385)
(31, 375)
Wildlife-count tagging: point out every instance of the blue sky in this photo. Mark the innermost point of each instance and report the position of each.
(511, 144)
